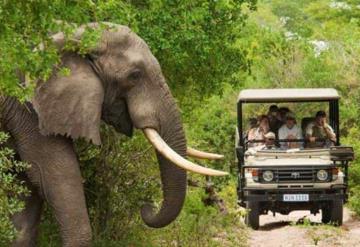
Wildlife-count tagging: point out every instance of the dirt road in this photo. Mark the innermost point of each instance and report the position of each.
(288, 231)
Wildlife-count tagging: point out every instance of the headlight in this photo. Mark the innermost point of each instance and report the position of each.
(268, 176)
(322, 175)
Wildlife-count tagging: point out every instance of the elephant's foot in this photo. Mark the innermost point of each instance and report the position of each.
(25, 238)
(79, 237)
(26, 222)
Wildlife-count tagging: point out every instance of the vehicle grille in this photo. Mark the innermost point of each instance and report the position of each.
(296, 175)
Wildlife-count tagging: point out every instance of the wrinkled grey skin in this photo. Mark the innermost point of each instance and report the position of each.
(119, 82)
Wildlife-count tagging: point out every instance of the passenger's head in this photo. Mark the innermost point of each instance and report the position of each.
(269, 139)
(290, 120)
(264, 122)
(320, 118)
(283, 111)
(252, 122)
(273, 110)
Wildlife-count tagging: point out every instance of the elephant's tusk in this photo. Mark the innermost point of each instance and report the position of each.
(203, 155)
(160, 145)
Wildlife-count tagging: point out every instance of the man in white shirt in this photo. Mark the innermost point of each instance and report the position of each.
(290, 131)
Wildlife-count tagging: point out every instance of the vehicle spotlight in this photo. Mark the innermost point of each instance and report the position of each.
(322, 175)
(268, 176)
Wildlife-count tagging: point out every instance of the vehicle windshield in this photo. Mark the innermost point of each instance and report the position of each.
(287, 126)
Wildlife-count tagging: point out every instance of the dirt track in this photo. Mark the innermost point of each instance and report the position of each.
(286, 231)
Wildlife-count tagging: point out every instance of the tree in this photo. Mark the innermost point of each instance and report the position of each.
(192, 39)
(10, 189)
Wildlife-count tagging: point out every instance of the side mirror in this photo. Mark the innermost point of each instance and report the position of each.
(240, 153)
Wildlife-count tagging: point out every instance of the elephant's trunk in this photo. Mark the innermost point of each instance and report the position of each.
(173, 177)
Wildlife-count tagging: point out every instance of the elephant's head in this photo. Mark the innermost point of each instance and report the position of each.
(120, 82)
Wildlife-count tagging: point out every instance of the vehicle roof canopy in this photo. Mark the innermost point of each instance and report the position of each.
(287, 95)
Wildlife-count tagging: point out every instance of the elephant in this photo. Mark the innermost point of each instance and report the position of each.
(119, 82)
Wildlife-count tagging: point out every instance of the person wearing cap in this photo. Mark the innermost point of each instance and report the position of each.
(290, 131)
(268, 144)
(319, 133)
(269, 140)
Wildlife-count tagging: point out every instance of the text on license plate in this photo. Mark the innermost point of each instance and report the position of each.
(296, 197)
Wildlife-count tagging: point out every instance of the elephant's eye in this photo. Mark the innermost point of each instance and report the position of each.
(135, 75)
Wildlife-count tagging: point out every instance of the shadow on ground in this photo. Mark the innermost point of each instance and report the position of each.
(279, 224)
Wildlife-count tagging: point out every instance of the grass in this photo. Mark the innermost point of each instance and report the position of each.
(318, 232)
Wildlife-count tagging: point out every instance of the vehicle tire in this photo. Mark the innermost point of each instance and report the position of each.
(326, 215)
(252, 217)
(337, 212)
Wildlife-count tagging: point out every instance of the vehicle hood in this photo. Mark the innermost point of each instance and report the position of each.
(319, 157)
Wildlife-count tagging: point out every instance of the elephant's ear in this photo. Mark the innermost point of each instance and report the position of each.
(70, 104)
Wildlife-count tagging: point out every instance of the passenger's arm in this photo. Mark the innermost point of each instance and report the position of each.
(251, 134)
(299, 134)
(309, 133)
(330, 133)
(280, 134)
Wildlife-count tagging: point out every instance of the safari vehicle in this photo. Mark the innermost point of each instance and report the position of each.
(282, 181)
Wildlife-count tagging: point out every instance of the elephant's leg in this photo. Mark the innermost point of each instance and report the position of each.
(55, 170)
(26, 222)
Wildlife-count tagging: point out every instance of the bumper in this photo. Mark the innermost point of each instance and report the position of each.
(278, 197)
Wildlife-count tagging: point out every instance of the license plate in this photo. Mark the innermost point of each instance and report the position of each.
(296, 197)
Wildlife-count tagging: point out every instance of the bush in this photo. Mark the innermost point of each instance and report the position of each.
(197, 225)
(192, 39)
(211, 126)
(352, 139)
(11, 188)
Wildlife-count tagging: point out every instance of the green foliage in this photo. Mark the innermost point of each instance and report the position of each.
(11, 188)
(208, 54)
(192, 39)
(194, 42)
(200, 225)
(119, 178)
(293, 15)
(353, 138)
(197, 225)
(19, 36)
(212, 125)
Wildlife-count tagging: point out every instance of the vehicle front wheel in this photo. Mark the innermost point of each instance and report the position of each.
(333, 213)
(326, 215)
(252, 217)
(337, 212)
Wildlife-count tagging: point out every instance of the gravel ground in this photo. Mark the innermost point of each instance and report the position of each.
(288, 231)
